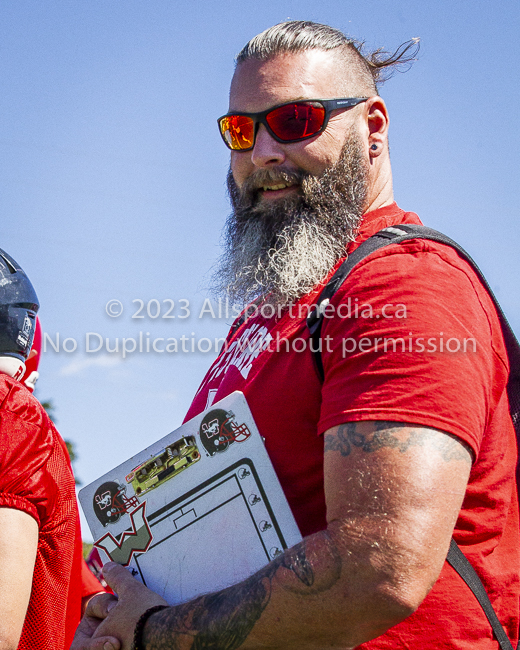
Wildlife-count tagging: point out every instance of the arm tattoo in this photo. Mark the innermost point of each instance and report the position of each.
(223, 620)
(395, 436)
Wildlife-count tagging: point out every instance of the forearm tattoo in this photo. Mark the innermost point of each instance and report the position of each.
(223, 621)
(395, 436)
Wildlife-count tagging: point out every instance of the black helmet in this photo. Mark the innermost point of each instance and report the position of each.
(111, 503)
(18, 307)
(219, 429)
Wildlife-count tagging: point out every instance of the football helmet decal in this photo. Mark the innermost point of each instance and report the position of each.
(111, 503)
(31, 365)
(219, 429)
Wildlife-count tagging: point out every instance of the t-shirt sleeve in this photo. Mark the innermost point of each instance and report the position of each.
(413, 337)
(25, 447)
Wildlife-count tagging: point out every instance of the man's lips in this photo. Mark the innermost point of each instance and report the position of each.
(276, 190)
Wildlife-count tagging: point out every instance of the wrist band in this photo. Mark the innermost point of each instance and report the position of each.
(139, 628)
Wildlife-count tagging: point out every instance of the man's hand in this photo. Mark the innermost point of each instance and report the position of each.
(83, 638)
(85, 601)
(109, 621)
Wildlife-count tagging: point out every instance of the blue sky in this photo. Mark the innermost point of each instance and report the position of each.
(112, 175)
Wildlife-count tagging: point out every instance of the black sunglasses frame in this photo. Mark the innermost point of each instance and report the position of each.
(261, 118)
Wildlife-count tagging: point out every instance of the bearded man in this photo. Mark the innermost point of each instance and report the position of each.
(398, 448)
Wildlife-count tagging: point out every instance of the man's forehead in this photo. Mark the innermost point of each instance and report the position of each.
(310, 74)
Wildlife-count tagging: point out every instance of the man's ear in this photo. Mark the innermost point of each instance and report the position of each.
(377, 120)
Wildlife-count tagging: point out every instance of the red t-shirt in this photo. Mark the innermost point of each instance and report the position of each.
(36, 477)
(415, 338)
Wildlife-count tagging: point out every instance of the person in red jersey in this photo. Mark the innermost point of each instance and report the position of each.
(408, 439)
(90, 585)
(40, 540)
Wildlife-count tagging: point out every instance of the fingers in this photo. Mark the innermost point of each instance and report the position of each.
(117, 577)
(102, 643)
(106, 643)
(85, 601)
(83, 639)
(99, 606)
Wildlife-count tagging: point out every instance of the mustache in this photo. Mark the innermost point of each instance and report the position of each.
(247, 194)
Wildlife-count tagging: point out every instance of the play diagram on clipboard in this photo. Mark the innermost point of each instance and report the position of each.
(197, 511)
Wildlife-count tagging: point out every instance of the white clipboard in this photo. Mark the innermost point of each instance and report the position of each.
(197, 511)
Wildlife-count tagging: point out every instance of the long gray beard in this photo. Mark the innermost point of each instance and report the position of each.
(285, 248)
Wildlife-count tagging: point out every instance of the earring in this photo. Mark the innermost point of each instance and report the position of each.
(374, 147)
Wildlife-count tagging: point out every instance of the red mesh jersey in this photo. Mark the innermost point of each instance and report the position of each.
(36, 477)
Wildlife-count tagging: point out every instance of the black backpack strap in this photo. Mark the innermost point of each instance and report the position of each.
(513, 348)
(397, 235)
(315, 318)
(462, 566)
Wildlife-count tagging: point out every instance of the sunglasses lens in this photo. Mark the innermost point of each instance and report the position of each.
(238, 131)
(296, 121)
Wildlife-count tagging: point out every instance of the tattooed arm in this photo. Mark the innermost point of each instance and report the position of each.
(393, 494)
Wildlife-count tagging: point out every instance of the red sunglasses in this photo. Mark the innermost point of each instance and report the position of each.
(290, 122)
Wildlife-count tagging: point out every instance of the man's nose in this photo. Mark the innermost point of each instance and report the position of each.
(267, 152)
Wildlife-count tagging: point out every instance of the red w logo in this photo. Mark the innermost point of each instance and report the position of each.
(137, 540)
